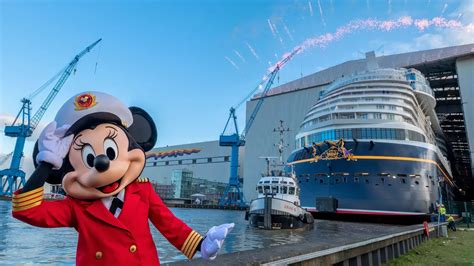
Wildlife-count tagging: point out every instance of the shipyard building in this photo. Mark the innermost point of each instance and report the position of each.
(450, 72)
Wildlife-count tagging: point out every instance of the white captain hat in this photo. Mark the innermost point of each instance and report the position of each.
(86, 107)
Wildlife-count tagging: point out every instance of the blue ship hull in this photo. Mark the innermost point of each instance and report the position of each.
(384, 179)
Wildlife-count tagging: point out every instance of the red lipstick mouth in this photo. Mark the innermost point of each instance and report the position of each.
(110, 187)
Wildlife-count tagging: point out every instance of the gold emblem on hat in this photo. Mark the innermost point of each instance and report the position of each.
(85, 101)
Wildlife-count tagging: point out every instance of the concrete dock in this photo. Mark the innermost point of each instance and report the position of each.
(332, 242)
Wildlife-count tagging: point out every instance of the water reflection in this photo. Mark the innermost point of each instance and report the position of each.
(22, 243)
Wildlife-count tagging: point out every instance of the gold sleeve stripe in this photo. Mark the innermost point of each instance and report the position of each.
(21, 195)
(27, 202)
(193, 246)
(23, 199)
(186, 242)
(27, 207)
(191, 243)
(188, 249)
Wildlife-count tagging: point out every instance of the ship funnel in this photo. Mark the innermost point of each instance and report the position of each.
(371, 60)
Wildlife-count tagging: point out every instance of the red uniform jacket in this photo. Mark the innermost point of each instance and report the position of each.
(104, 239)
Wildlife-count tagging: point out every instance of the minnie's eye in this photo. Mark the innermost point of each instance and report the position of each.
(110, 148)
(88, 156)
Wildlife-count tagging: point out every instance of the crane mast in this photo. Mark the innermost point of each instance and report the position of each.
(233, 196)
(13, 178)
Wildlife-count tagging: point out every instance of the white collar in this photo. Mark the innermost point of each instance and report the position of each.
(108, 201)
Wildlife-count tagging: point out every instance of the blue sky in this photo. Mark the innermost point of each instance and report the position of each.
(169, 57)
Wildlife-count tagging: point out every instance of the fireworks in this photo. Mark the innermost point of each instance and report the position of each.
(231, 62)
(252, 51)
(371, 24)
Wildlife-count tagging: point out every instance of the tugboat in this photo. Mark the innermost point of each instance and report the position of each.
(278, 205)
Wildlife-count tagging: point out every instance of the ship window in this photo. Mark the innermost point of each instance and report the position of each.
(291, 190)
(345, 179)
(266, 182)
(284, 182)
(432, 182)
(167, 163)
(284, 190)
(260, 189)
(366, 180)
(404, 181)
(291, 183)
(274, 182)
(226, 158)
(180, 162)
(416, 182)
(266, 189)
(321, 181)
(209, 160)
(194, 161)
(274, 189)
(337, 181)
(382, 180)
(356, 180)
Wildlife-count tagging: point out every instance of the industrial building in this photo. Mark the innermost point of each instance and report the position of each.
(449, 70)
(188, 169)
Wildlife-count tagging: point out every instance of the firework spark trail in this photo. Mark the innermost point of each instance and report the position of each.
(373, 24)
(240, 56)
(231, 62)
(277, 33)
(271, 27)
(321, 13)
(287, 31)
(444, 8)
(310, 7)
(253, 51)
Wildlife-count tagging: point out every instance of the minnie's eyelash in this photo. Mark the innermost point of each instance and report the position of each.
(79, 146)
(112, 134)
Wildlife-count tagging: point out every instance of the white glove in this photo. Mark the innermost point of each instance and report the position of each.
(214, 240)
(53, 146)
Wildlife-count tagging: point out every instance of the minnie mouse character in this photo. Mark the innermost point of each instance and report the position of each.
(96, 148)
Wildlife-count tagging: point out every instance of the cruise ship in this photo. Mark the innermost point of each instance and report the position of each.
(372, 145)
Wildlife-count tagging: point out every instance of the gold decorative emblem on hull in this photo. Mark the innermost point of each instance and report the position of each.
(335, 151)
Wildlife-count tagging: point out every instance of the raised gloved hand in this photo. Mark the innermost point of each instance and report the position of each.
(214, 240)
(53, 146)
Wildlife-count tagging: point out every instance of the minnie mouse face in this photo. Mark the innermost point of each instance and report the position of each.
(108, 149)
(102, 162)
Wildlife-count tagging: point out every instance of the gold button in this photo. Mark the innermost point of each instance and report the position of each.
(98, 255)
(133, 248)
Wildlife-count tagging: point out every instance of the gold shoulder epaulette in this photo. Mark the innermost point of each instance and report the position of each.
(143, 180)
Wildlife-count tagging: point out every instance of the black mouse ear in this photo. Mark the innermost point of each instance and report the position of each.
(54, 176)
(143, 129)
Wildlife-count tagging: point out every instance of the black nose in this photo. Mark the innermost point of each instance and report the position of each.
(101, 163)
